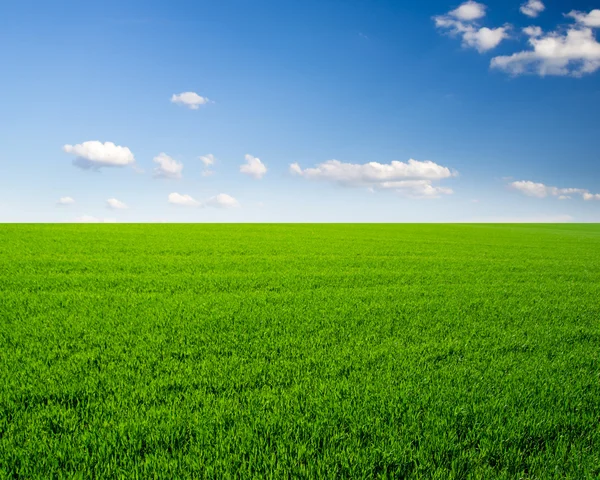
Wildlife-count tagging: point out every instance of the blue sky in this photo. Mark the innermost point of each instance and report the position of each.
(502, 124)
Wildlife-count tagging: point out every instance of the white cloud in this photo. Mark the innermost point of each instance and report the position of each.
(185, 200)
(565, 197)
(539, 190)
(167, 167)
(533, 31)
(413, 178)
(95, 155)
(591, 19)
(253, 167)
(591, 196)
(485, 38)
(222, 200)
(462, 22)
(190, 100)
(115, 204)
(575, 52)
(65, 201)
(208, 160)
(92, 219)
(469, 11)
(532, 8)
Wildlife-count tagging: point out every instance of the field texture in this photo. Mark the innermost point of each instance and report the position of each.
(300, 351)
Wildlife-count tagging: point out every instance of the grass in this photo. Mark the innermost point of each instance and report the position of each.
(300, 351)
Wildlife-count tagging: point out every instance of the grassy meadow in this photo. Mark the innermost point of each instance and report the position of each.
(300, 351)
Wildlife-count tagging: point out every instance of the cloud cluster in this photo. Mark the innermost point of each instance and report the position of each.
(573, 51)
(539, 190)
(532, 8)
(222, 200)
(190, 100)
(253, 167)
(463, 22)
(95, 155)
(167, 167)
(413, 178)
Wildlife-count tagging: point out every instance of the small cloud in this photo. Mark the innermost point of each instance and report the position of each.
(222, 200)
(95, 155)
(533, 31)
(208, 160)
(92, 219)
(190, 100)
(532, 8)
(167, 167)
(184, 200)
(475, 200)
(253, 167)
(485, 39)
(65, 201)
(469, 11)
(115, 204)
(362, 35)
(565, 197)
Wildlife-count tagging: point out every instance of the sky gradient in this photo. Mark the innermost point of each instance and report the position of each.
(312, 111)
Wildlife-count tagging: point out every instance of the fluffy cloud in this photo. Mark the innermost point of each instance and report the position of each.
(532, 8)
(462, 22)
(469, 11)
(190, 100)
(413, 178)
(253, 167)
(533, 31)
(92, 219)
(65, 201)
(485, 38)
(591, 19)
(95, 155)
(573, 52)
(185, 200)
(222, 200)
(115, 204)
(539, 190)
(167, 167)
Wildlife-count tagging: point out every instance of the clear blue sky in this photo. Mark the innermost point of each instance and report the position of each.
(300, 82)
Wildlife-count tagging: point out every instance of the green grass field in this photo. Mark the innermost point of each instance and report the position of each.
(300, 351)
